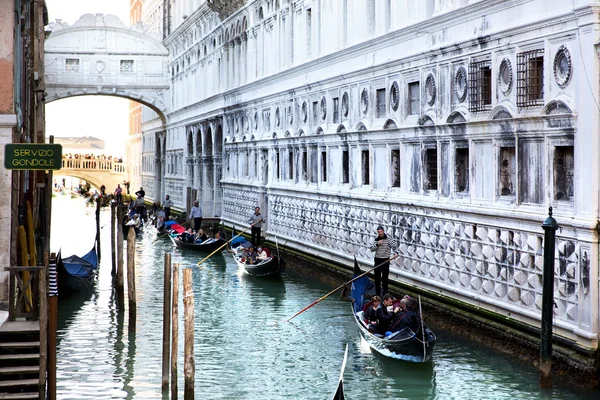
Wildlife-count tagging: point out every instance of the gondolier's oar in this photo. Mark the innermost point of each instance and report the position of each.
(338, 288)
(223, 245)
(422, 329)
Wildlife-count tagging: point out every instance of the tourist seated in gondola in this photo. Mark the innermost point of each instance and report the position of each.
(201, 236)
(261, 254)
(135, 221)
(187, 236)
(406, 318)
(250, 256)
(386, 313)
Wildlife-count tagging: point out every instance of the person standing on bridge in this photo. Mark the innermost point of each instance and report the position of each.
(168, 203)
(196, 214)
(118, 195)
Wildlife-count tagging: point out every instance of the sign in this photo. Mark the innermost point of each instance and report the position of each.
(30, 156)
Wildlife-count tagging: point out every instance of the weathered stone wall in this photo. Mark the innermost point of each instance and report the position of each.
(8, 121)
(225, 7)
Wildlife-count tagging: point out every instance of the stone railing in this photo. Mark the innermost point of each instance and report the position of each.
(93, 165)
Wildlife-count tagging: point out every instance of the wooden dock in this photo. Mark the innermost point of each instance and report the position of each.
(20, 360)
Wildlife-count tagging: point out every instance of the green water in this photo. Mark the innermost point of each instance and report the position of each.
(243, 350)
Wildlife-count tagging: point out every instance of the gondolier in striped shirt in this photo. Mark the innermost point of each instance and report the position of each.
(382, 246)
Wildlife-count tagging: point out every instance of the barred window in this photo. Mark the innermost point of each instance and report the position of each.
(345, 167)
(336, 110)
(431, 170)
(462, 170)
(127, 66)
(530, 78)
(323, 166)
(366, 178)
(380, 97)
(414, 98)
(395, 168)
(564, 162)
(480, 86)
(72, 65)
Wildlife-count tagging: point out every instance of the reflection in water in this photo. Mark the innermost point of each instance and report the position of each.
(243, 350)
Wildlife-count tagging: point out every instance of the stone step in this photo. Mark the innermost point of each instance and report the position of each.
(19, 370)
(19, 396)
(32, 356)
(20, 345)
(19, 383)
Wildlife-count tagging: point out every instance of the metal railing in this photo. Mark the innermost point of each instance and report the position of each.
(93, 165)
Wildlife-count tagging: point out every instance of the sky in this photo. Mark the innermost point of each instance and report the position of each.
(102, 116)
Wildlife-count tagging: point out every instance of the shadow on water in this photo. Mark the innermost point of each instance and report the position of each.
(70, 305)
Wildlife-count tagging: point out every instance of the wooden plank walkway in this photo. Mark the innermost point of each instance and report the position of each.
(20, 326)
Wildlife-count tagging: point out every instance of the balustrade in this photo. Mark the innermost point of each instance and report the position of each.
(93, 164)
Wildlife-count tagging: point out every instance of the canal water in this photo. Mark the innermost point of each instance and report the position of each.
(243, 350)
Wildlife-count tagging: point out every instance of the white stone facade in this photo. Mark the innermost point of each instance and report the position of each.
(453, 123)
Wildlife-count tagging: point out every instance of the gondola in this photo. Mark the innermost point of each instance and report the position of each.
(75, 273)
(339, 392)
(272, 266)
(405, 344)
(208, 246)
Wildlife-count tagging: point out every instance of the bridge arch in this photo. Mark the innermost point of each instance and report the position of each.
(99, 55)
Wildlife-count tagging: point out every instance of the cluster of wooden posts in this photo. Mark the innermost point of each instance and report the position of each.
(171, 330)
(171, 304)
(117, 211)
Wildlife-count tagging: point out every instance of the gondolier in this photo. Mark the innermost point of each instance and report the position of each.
(196, 214)
(168, 203)
(382, 246)
(256, 220)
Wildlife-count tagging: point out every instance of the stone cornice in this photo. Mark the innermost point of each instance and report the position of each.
(8, 120)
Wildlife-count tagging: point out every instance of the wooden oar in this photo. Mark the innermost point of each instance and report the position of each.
(338, 288)
(422, 329)
(223, 245)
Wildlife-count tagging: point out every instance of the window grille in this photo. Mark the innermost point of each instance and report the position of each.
(530, 78)
(323, 166)
(345, 167)
(431, 170)
(366, 179)
(395, 168)
(127, 66)
(336, 110)
(72, 65)
(480, 86)
(380, 97)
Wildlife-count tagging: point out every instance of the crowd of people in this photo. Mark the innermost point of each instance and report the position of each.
(99, 157)
(387, 315)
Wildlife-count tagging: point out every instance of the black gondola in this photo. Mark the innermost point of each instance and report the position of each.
(272, 266)
(406, 344)
(75, 273)
(339, 392)
(208, 246)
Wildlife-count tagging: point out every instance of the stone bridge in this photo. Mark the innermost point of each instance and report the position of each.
(99, 55)
(97, 172)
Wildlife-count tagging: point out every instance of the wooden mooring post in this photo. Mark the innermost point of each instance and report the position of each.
(550, 226)
(113, 249)
(166, 323)
(188, 306)
(131, 278)
(174, 331)
(98, 229)
(119, 281)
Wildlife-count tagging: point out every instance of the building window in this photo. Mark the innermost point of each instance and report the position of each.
(323, 166)
(564, 164)
(314, 168)
(380, 106)
(345, 167)
(395, 168)
(72, 65)
(530, 78)
(277, 173)
(304, 166)
(414, 98)
(431, 170)
(291, 165)
(127, 66)
(336, 110)
(461, 171)
(308, 31)
(315, 112)
(507, 171)
(366, 178)
(480, 86)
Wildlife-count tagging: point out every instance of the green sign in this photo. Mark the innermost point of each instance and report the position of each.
(32, 156)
